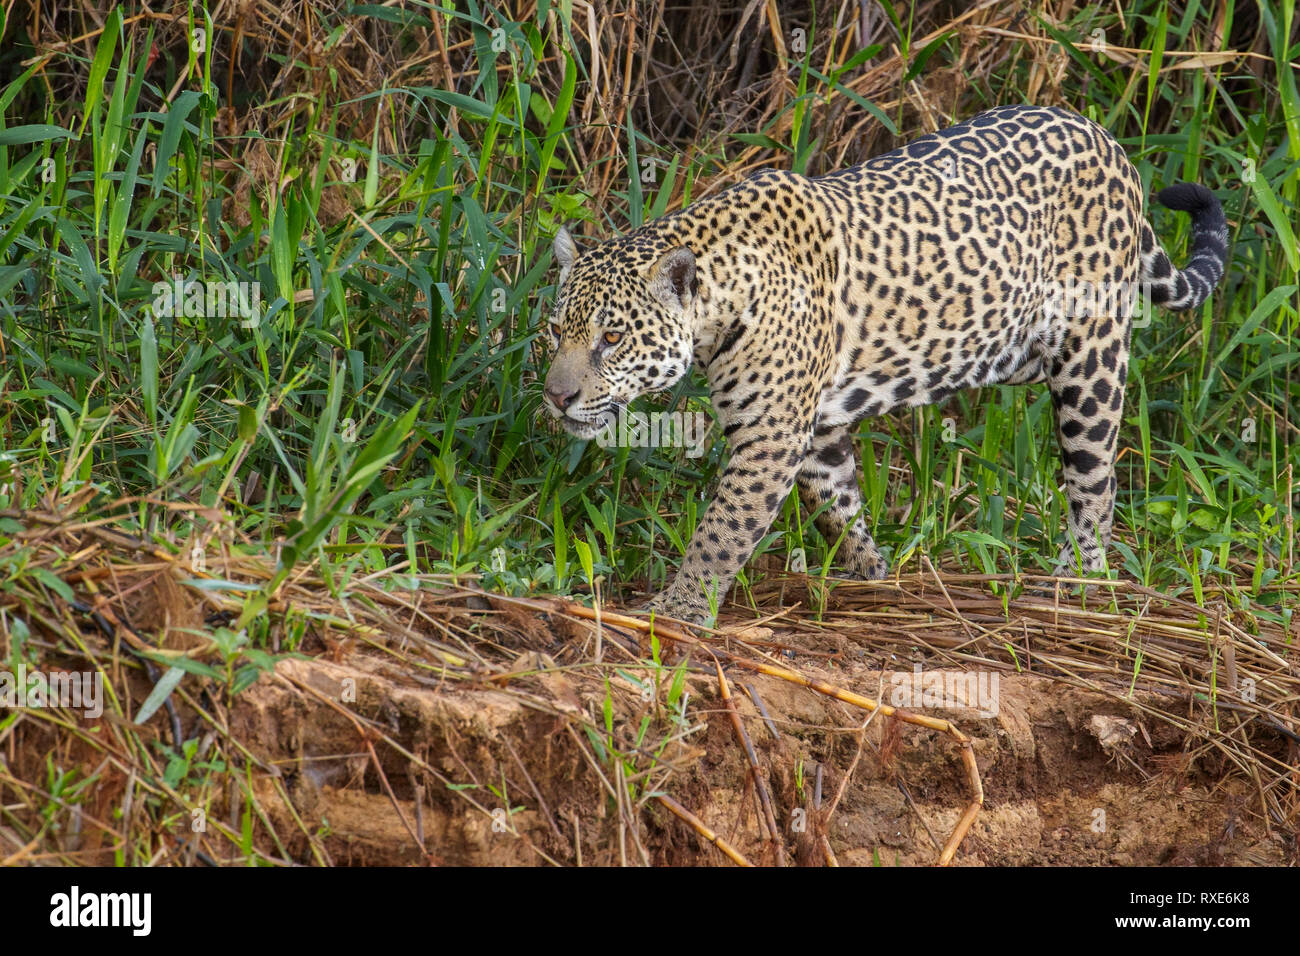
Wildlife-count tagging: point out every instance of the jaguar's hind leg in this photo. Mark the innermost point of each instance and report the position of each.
(829, 476)
(1087, 383)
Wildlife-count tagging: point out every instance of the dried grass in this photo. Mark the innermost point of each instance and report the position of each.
(1228, 682)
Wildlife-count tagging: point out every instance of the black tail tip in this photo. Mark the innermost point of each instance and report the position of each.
(1186, 197)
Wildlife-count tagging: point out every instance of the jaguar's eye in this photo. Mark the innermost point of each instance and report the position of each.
(555, 332)
(612, 338)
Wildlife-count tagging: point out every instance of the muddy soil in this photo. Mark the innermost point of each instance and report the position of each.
(382, 767)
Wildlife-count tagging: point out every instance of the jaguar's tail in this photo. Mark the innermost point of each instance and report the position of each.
(1188, 287)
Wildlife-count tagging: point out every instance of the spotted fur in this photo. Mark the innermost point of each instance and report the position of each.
(811, 304)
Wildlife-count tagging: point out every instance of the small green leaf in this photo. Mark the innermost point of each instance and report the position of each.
(149, 369)
(171, 136)
(247, 423)
(33, 133)
(158, 696)
(54, 583)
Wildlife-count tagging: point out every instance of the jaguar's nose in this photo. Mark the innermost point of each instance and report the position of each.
(560, 397)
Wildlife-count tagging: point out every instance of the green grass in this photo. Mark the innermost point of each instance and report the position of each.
(383, 407)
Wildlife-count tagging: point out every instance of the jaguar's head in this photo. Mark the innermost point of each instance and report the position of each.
(621, 326)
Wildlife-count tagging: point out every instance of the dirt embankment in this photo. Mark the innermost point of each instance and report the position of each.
(443, 726)
(497, 777)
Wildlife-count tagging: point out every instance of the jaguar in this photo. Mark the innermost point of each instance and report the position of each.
(1007, 249)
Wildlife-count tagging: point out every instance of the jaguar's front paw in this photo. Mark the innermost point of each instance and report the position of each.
(863, 562)
(1050, 590)
(1066, 587)
(1071, 567)
(874, 568)
(664, 606)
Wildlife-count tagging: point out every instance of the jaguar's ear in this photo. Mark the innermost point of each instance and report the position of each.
(566, 251)
(673, 279)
